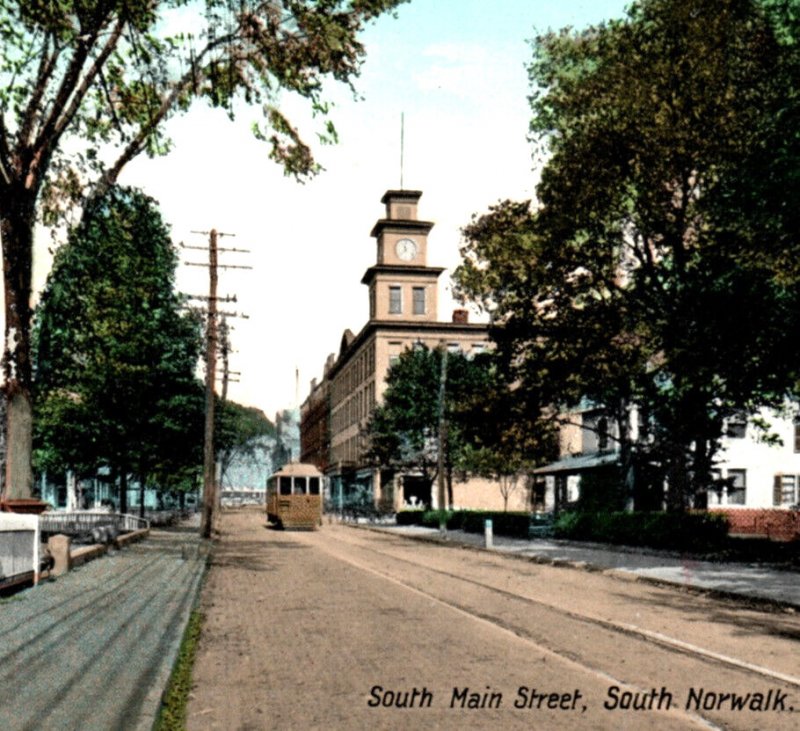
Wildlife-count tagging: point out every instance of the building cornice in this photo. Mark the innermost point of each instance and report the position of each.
(412, 195)
(375, 327)
(400, 270)
(401, 226)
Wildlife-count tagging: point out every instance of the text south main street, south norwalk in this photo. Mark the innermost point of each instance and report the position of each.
(772, 700)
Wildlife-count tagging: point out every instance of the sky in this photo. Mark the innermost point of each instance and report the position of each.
(456, 72)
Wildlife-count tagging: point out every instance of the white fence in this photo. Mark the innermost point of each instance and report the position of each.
(83, 522)
(19, 548)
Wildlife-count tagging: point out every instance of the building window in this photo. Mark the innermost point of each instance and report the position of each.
(737, 427)
(786, 490)
(395, 300)
(418, 300)
(797, 435)
(737, 490)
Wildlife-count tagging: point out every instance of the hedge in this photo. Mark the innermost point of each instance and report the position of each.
(410, 517)
(513, 525)
(674, 531)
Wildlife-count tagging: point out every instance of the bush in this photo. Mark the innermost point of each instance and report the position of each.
(453, 518)
(696, 532)
(410, 517)
(511, 525)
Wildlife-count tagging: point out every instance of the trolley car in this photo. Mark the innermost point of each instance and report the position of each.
(294, 497)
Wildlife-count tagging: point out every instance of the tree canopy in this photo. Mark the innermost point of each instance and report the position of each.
(653, 269)
(86, 86)
(115, 352)
(485, 432)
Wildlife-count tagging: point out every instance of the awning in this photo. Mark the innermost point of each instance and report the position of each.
(578, 464)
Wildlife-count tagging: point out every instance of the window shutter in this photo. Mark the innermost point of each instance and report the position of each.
(776, 489)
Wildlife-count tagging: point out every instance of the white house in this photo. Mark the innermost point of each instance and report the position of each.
(765, 472)
(765, 475)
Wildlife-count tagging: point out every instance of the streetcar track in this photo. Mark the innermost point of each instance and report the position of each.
(665, 641)
(508, 628)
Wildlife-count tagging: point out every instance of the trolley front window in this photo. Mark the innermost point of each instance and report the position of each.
(313, 485)
(299, 486)
(285, 485)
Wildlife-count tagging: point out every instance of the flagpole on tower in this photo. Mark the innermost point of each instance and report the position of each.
(402, 146)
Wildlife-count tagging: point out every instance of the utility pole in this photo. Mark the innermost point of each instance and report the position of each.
(209, 476)
(210, 491)
(224, 348)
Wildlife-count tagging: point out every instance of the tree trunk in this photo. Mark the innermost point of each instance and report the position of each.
(141, 496)
(19, 446)
(626, 471)
(677, 480)
(16, 232)
(123, 491)
(72, 491)
(449, 483)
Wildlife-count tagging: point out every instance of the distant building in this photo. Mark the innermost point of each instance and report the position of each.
(315, 433)
(403, 311)
(287, 438)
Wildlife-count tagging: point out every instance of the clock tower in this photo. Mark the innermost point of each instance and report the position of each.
(401, 285)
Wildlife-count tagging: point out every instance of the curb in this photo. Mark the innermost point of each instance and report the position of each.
(133, 537)
(618, 574)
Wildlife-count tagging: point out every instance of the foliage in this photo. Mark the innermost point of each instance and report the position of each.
(695, 532)
(510, 524)
(115, 356)
(503, 436)
(410, 516)
(239, 433)
(110, 74)
(403, 431)
(85, 87)
(602, 489)
(641, 282)
(172, 715)
(488, 433)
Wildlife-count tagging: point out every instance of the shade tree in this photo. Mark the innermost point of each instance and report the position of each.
(86, 86)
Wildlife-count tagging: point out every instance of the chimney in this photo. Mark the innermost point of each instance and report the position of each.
(460, 317)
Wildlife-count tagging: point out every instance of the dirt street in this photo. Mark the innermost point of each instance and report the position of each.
(345, 628)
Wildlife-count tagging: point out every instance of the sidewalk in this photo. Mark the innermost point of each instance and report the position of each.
(94, 648)
(739, 579)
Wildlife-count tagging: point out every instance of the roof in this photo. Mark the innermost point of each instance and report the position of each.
(403, 224)
(298, 469)
(407, 194)
(578, 464)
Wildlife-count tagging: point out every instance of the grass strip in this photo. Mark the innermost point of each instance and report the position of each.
(172, 716)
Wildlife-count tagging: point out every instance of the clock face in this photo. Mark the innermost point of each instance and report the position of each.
(406, 249)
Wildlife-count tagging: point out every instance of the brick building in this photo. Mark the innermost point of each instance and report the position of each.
(403, 311)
